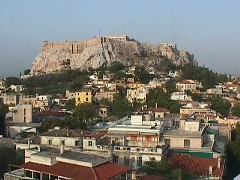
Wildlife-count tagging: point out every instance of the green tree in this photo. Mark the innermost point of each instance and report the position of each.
(156, 167)
(197, 97)
(162, 168)
(3, 112)
(116, 66)
(85, 112)
(70, 104)
(233, 154)
(79, 81)
(27, 71)
(119, 75)
(163, 100)
(121, 107)
(142, 74)
(8, 155)
(170, 86)
(236, 110)
(11, 80)
(221, 105)
(52, 123)
(207, 77)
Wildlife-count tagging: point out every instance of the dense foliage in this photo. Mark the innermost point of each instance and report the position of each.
(83, 114)
(142, 74)
(10, 156)
(163, 169)
(3, 112)
(236, 110)
(163, 100)
(52, 83)
(233, 154)
(116, 66)
(207, 77)
(221, 105)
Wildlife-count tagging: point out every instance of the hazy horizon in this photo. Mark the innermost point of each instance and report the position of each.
(207, 29)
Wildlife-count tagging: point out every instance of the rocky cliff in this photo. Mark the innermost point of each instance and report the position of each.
(97, 52)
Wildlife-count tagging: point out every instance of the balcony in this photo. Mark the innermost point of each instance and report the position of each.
(16, 174)
(146, 150)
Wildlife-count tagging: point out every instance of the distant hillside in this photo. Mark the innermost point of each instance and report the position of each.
(102, 51)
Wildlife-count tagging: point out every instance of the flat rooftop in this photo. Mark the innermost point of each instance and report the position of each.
(80, 156)
(179, 132)
(74, 157)
(128, 129)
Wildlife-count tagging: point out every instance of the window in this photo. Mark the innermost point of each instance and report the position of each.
(167, 142)
(139, 161)
(78, 99)
(77, 143)
(24, 119)
(28, 173)
(186, 143)
(126, 161)
(45, 176)
(86, 93)
(53, 177)
(86, 99)
(24, 111)
(36, 175)
(115, 158)
(49, 142)
(62, 142)
(89, 143)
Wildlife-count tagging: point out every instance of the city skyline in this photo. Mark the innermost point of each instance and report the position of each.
(208, 30)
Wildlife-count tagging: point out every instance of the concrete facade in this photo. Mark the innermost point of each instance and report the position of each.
(23, 113)
(83, 97)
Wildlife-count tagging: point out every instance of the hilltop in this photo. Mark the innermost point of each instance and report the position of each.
(102, 51)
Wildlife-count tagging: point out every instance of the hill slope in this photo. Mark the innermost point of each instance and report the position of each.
(97, 52)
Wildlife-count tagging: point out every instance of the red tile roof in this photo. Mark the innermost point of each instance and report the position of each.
(104, 171)
(196, 165)
(53, 113)
(187, 81)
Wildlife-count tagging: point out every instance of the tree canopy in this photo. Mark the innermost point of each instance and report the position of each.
(163, 100)
(3, 112)
(221, 105)
(10, 156)
(142, 74)
(162, 168)
(236, 110)
(116, 66)
(207, 77)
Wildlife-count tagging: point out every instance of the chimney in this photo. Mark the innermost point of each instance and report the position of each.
(156, 105)
(210, 170)
(219, 162)
(61, 147)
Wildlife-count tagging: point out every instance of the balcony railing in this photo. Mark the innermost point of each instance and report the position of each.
(138, 149)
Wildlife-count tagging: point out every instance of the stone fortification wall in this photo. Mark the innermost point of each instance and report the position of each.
(72, 47)
(75, 47)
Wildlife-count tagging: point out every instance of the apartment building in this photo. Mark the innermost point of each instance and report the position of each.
(83, 97)
(49, 163)
(186, 84)
(104, 93)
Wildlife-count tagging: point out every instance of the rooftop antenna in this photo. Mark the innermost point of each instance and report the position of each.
(99, 34)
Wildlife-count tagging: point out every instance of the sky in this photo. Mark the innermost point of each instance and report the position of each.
(208, 29)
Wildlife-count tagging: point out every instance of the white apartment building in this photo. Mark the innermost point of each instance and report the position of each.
(186, 84)
(139, 94)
